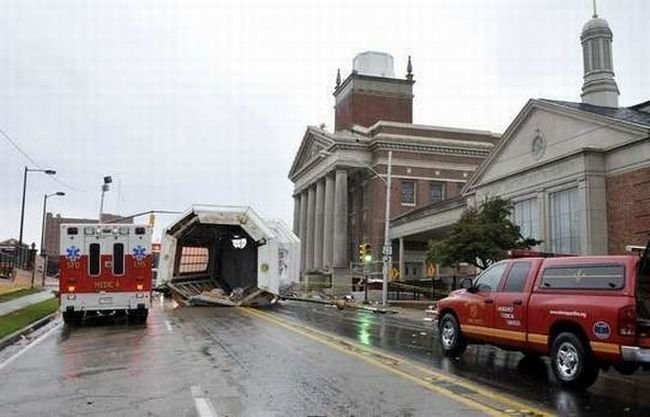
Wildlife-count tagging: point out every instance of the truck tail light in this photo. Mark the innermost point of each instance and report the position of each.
(627, 321)
(71, 288)
(139, 287)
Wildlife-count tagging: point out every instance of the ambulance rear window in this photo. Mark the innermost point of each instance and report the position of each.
(139, 230)
(93, 259)
(73, 231)
(118, 259)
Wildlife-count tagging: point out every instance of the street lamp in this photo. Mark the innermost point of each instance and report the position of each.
(107, 180)
(22, 208)
(387, 250)
(43, 251)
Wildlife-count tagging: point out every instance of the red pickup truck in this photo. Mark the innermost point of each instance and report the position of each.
(585, 312)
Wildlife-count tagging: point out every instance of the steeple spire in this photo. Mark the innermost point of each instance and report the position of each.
(409, 70)
(595, 12)
(338, 77)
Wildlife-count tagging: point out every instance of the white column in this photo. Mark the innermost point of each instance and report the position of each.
(341, 219)
(328, 223)
(311, 222)
(303, 229)
(296, 214)
(319, 223)
(401, 258)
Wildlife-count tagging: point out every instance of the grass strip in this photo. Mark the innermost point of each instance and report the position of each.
(18, 292)
(19, 319)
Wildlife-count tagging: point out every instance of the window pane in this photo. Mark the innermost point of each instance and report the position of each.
(118, 259)
(516, 280)
(594, 277)
(93, 261)
(489, 279)
(565, 222)
(525, 215)
(193, 259)
(437, 192)
(408, 192)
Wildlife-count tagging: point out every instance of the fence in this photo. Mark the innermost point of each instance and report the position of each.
(425, 289)
(17, 257)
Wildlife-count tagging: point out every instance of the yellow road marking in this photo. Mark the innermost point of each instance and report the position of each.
(323, 337)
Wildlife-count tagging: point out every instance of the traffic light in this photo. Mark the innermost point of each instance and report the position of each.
(365, 252)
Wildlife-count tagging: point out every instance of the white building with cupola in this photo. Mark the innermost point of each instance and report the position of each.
(578, 173)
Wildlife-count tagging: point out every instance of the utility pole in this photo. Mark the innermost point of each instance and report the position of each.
(387, 251)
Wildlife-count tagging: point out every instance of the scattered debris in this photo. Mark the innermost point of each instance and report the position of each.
(430, 313)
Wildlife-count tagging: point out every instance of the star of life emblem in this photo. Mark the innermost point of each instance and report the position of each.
(72, 253)
(139, 253)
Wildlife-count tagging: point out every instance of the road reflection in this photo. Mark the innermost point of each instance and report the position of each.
(527, 377)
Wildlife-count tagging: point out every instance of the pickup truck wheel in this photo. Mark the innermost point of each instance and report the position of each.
(571, 362)
(453, 343)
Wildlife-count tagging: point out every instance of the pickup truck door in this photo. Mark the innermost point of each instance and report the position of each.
(477, 315)
(511, 304)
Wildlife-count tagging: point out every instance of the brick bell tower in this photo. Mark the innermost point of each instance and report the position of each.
(372, 93)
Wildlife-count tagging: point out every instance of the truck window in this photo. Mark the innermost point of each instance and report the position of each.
(584, 277)
(489, 279)
(93, 259)
(118, 259)
(516, 280)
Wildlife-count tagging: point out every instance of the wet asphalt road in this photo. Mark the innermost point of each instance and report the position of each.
(509, 372)
(242, 365)
(185, 360)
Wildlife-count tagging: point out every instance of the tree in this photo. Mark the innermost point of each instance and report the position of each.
(481, 237)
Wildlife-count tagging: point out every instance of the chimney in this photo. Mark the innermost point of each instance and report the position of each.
(372, 93)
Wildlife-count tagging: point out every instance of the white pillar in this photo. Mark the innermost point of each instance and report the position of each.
(303, 229)
(311, 222)
(341, 219)
(319, 223)
(296, 214)
(328, 223)
(401, 258)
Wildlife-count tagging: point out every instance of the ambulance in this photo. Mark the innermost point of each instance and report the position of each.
(105, 269)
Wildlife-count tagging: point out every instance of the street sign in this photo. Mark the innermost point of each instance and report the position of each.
(431, 270)
(394, 273)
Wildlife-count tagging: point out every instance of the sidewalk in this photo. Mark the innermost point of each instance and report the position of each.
(18, 303)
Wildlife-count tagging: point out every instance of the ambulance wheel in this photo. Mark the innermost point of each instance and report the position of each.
(138, 316)
(72, 318)
(571, 362)
(451, 339)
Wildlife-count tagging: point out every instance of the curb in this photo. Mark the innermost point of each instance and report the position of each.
(17, 335)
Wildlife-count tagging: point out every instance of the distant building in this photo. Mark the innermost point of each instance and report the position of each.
(577, 173)
(52, 229)
(339, 177)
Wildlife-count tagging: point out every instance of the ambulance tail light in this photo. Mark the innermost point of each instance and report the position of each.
(627, 321)
(71, 288)
(140, 287)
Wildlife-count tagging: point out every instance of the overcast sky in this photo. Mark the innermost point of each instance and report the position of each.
(193, 101)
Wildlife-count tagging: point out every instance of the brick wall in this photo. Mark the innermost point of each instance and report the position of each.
(628, 209)
(367, 109)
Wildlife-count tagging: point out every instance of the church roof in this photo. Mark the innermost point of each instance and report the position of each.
(627, 114)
